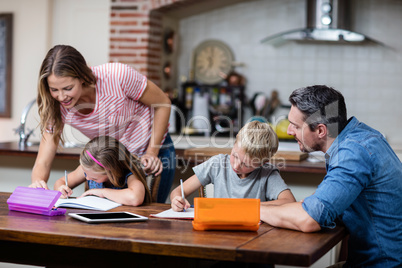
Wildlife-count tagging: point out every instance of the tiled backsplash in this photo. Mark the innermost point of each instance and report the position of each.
(370, 77)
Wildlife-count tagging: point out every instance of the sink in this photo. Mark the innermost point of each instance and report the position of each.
(73, 145)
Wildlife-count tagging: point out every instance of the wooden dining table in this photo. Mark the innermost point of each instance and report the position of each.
(62, 241)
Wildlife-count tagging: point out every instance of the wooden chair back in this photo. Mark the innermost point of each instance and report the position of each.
(206, 191)
(153, 185)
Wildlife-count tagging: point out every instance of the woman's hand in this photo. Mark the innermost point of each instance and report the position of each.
(178, 203)
(39, 184)
(152, 164)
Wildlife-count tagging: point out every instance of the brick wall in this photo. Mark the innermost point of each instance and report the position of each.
(136, 34)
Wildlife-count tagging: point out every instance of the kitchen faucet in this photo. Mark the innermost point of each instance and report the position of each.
(21, 128)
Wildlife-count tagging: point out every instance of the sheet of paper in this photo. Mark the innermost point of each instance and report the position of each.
(87, 202)
(170, 214)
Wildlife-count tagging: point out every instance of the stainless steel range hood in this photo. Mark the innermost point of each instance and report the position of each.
(327, 21)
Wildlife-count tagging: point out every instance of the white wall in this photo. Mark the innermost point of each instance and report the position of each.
(38, 26)
(30, 42)
(369, 77)
(83, 24)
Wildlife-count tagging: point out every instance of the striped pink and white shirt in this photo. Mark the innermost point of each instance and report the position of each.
(117, 111)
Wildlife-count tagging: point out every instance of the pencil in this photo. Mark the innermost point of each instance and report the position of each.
(65, 178)
(182, 193)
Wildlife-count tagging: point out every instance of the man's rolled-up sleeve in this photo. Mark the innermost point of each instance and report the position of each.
(317, 210)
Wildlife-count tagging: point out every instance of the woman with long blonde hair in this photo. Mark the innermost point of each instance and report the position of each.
(112, 99)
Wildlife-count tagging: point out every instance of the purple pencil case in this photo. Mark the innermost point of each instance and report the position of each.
(35, 200)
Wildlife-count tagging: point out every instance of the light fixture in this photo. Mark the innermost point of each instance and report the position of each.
(326, 9)
(326, 19)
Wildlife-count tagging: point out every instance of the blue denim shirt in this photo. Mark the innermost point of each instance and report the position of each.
(363, 188)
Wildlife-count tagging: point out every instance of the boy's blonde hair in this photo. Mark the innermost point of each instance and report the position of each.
(258, 140)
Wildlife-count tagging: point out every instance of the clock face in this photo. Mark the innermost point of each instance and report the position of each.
(212, 61)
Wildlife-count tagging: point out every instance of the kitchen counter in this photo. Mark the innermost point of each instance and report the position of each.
(11, 148)
(304, 166)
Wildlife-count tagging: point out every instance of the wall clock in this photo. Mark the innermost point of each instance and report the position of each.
(212, 61)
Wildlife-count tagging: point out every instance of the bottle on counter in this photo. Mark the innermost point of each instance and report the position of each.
(189, 97)
(215, 96)
(200, 118)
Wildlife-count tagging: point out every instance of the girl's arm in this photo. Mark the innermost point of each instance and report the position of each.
(284, 197)
(74, 179)
(134, 195)
(43, 162)
(155, 98)
(189, 186)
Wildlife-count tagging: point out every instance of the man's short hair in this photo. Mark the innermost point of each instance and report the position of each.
(321, 104)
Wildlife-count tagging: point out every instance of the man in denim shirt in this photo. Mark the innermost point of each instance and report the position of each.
(363, 185)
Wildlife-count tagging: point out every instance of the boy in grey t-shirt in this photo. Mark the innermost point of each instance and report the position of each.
(245, 173)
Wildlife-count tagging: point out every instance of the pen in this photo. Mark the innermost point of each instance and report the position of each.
(182, 192)
(65, 177)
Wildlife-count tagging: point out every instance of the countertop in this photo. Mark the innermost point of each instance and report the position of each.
(305, 166)
(11, 148)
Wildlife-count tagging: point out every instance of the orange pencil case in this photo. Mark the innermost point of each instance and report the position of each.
(241, 214)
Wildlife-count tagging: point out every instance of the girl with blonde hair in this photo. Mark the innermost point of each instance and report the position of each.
(111, 172)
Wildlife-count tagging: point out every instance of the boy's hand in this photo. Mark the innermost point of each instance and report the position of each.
(178, 204)
(65, 191)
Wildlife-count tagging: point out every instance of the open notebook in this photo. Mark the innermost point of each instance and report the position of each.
(170, 214)
(87, 202)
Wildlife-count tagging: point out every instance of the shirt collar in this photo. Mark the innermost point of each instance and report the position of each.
(352, 123)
